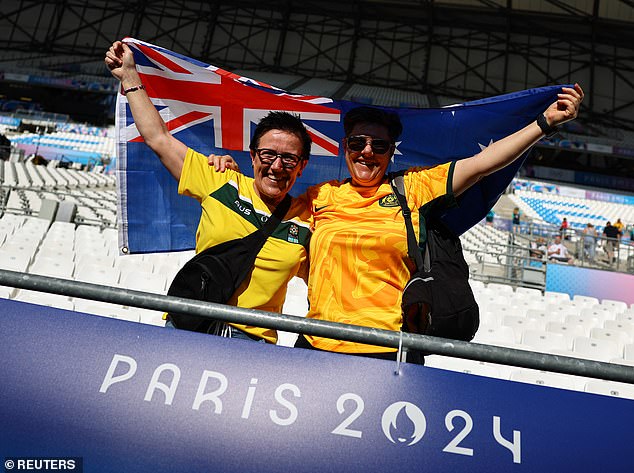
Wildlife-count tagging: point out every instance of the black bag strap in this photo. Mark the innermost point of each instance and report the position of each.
(276, 217)
(258, 238)
(398, 187)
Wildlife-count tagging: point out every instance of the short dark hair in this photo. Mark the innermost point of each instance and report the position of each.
(286, 122)
(370, 115)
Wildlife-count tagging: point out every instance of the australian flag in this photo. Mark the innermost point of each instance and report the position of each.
(214, 111)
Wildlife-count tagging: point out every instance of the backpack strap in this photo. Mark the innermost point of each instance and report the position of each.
(398, 187)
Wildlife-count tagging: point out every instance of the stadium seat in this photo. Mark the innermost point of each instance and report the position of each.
(544, 341)
(519, 324)
(598, 312)
(628, 352)
(610, 388)
(12, 260)
(621, 325)
(551, 296)
(45, 299)
(101, 259)
(615, 306)
(59, 253)
(461, 365)
(596, 349)
(543, 378)
(543, 317)
(97, 274)
(129, 263)
(565, 309)
(502, 310)
(53, 267)
(585, 300)
(620, 337)
(500, 288)
(520, 306)
(488, 319)
(150, 317)
(568, 330)
(585, 321)
(499, 336)
(104, 309)
(625, 317)
(529, 291)
(143, 281)
(22, 249)
(476, 285)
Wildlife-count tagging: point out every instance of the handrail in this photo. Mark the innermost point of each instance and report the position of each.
(353, 333)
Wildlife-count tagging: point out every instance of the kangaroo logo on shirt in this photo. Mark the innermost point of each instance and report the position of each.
(389, 201)
(293, 234)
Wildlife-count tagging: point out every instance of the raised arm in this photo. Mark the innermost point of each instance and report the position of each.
(500, 154)
(171, 152)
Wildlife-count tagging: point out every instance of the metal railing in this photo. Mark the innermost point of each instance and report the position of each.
(512, 264)
(353, 333)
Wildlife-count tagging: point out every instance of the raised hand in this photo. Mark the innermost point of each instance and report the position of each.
(566, 107)
(120, 60)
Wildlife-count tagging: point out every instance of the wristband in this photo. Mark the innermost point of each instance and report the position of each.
(547, 129)
(132, 89)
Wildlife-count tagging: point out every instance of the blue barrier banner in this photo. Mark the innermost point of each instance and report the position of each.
(590, 282)
(124, 397)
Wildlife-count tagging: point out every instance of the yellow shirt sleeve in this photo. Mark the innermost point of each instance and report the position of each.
(198, 178)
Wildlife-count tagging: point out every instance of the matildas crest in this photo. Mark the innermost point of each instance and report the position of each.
(293, 234)
(389, 201)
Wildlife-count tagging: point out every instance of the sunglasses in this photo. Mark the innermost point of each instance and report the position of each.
(268, 157)
(358, 143)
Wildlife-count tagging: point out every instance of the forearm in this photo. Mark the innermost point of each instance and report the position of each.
(494, 157)
(151, 126)
(503, 152)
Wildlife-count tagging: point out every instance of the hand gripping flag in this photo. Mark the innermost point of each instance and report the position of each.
(215, 111)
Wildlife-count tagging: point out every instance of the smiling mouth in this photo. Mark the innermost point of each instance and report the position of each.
(366, 163)
(276, 178)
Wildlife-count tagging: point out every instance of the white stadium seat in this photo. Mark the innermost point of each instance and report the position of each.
(596, 349)
(586, 300)
(461, 365)
(544, 341)
(143, 281)
(544, 378)
(569, 330)
(519, 324)
(499, 336)
(552, 296)
(45, 299)
(615, 306)
(624, 326)
(610, 388)
(97, 274)
(620, 337)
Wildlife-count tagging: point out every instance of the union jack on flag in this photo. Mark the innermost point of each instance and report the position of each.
(214, 111)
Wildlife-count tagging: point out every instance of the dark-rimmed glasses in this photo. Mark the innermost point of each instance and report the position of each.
(358, 143)
(268, 157)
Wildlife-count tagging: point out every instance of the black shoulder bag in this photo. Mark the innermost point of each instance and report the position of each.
(214, 275)
(438, 299)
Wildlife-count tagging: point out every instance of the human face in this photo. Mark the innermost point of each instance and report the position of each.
(273, 181)
(367, 168)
